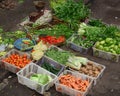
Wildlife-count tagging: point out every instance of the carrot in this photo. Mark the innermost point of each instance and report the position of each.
(73, 82)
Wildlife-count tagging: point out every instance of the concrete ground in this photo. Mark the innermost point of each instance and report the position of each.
(109, 85)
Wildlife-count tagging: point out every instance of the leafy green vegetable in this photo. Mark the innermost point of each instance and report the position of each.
(80, 41)
(96, 22)
(56, 30)
(59, 56)
(72, 12)
(41, 78)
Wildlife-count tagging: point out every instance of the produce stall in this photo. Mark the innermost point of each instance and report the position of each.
(39, 53)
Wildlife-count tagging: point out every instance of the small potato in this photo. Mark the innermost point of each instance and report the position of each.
(96, 72)
(99, 68)
(90, 72)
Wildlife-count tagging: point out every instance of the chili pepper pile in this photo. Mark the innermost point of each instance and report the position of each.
(50, 68)
(17, 60)
(52, 39)
(73, 82)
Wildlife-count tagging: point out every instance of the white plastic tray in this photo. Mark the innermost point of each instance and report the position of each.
(70, 91)
(23, 77)
(9, 66)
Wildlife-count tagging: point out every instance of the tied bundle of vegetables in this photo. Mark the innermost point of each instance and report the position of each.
(38, 50)
(74, 82)
(42, 79)
(17, 60)
(50, 68)
(76, 62)
(52, 39)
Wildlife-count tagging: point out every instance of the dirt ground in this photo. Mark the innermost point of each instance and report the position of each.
(109, 85)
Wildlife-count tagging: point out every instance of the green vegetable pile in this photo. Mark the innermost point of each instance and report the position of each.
(109, 45)
(56, 30)
(81, 41)
(42, 79)
(50, 68)
(72, 12)
(97, 32)
(59, 56)
(96, 22)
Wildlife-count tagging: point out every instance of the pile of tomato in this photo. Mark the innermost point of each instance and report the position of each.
(18, 60)
(52, 39)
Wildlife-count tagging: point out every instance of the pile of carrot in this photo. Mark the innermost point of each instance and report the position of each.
(73, 82)
(17, 60)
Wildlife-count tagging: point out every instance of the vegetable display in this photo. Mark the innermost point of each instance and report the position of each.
(59, 56)
(91, 69)
(72, 12)
(109, 45)
(50, 68)
(76, 62)
(17, 60)
(52, 40)
(74, 82)
(38, 50)
(42, 79)
(81, 41)
(56, 30)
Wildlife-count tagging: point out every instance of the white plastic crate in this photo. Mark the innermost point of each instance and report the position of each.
(24, 74)
(70, 91)
(44, 59)
(11, 67)
(105, 55)
(95, 79)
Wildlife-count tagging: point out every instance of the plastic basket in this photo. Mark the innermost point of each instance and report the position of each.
(69, 91)
(105, 55)
(24, 74)
(11, 67)
(76, 47)
(51, 62)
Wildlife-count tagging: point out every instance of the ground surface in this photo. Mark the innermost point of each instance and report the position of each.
(109, 85)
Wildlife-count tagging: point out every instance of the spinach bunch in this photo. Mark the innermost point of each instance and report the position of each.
(96, 22)
(72, 12)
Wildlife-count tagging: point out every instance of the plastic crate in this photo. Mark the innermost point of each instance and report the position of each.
(76, 47)
(95, 79)
(105, 55)
(51, 62)
(24, 74)
(70, 91)
(11, 67)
